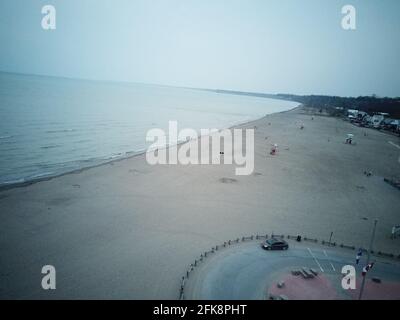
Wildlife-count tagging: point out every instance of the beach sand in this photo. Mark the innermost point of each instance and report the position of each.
(129, 230)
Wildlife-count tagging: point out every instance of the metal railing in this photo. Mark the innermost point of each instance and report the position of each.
(228, 243)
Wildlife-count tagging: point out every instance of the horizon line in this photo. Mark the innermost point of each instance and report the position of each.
(187, 87)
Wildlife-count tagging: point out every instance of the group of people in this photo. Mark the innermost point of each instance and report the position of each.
(349, 139)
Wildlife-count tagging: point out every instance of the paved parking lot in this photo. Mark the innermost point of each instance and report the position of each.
(246, 271)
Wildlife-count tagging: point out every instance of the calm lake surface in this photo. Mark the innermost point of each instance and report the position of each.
(49, 126)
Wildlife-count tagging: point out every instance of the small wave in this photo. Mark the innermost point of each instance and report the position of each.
(61, 131)
(87, 160)
(5, 142)
(5, 137)
(50, 146)
(21, 180)
(41, 175)
(113, 156)
(84, 140)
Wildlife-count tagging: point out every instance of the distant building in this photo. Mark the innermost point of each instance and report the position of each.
(356, 115)
(352, 111)
(352, 114)
(377, 120)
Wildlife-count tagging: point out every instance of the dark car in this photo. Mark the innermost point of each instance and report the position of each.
(275, 244)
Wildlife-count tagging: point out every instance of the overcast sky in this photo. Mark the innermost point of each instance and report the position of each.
(274, 46)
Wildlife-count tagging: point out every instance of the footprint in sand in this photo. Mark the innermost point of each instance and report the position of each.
(58, 201)
(135, 172)
(227, 180)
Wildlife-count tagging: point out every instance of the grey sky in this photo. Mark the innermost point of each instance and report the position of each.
(273, 46)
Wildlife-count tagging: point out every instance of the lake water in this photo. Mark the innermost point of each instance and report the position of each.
(49, 126)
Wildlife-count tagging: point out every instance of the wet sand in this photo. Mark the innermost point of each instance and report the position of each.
(129, 230)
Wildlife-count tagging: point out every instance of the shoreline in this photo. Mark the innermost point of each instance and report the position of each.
(131, 154)
(130, 230)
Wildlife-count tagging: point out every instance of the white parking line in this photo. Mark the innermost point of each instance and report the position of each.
(312, 255)
(333, 268)
(393, 144)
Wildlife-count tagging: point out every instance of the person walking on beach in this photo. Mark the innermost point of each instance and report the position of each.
(274, 149)
(359, 254)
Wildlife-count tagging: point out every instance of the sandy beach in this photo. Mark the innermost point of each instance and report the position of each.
(129, 230)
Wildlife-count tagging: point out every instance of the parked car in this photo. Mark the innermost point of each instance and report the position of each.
(393, 125)
(275, 244)
(386, 123)
(366, 121)
(377, 120)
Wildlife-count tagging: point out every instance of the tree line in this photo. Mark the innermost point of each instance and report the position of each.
(333, 104)
(369, 104)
